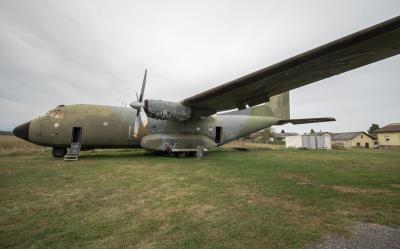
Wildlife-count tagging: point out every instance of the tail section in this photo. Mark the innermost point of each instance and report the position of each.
(278, 106)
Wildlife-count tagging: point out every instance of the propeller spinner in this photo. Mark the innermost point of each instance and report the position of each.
(141, 117)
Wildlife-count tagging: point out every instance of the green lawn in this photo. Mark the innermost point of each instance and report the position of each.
(229, 199)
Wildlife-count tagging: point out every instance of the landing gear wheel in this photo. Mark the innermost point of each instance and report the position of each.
(192, 153)
(59, 152)
(180, 154)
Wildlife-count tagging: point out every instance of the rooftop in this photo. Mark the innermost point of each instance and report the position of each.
(395, 127)
(282, 135)
(320, 133)
(347, 135)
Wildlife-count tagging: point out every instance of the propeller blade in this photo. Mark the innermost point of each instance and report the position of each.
(138, 105)
(136, 127)
(143, 86)
(143, 117)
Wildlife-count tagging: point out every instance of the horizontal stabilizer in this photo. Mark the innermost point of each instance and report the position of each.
(305, 120)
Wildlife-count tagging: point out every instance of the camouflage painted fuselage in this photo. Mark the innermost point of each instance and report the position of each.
(112, 127)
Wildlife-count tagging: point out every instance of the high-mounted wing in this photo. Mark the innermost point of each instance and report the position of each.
(361, 48)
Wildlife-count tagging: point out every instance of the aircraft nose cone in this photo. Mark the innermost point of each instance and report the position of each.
(22, 131)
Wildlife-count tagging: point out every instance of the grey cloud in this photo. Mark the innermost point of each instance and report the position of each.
(95, 52)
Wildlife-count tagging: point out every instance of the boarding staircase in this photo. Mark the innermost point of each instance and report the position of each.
(73, 152)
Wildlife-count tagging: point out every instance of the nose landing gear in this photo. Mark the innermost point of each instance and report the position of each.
(59, 152)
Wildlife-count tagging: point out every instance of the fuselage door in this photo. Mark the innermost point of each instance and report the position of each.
(76, 135)
(218, 134)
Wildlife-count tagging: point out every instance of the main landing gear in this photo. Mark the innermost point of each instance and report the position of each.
(199, 153)
(59, 152)
(182, 154)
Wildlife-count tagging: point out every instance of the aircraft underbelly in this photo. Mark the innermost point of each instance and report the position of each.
(176, 142)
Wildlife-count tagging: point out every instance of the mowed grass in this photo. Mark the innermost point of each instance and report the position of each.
(271, 198)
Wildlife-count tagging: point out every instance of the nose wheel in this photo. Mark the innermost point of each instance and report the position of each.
(59, 152)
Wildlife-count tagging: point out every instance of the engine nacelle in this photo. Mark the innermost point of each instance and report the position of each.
(166, 110)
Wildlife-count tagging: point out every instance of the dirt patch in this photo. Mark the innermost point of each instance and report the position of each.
(157, 213)
(150, 241)
(161, 193)
(365, 235)
(203, 211)
(7, 172)
(300, 179)
(395, 185)
(198, 211)
(251, 197)
(353, 190)
(146, 244)
(304, 180)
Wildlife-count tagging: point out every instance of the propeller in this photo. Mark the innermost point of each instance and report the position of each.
(141, 117)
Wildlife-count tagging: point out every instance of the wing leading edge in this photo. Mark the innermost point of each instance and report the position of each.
(356, 50)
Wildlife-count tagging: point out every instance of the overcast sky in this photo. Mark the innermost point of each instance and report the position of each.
(75, 51)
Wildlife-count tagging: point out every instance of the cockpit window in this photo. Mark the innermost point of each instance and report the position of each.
(54, 114)
(59, 114)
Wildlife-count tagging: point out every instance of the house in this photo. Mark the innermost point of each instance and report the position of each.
(319, 140)
(279, 138)
(353, 139)
(389, 136)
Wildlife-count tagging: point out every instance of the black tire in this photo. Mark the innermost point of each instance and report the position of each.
(59, 152)
(192, 153)
(180, 154)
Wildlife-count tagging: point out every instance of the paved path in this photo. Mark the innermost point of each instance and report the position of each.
(365, 236)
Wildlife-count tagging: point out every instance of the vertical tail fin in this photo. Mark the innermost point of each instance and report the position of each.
(278, 106)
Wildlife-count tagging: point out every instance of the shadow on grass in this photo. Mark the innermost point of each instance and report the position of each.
(144, 154)
(116, 154)
(137, 154)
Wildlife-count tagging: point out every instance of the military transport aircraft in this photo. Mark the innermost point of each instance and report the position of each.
(256, 101)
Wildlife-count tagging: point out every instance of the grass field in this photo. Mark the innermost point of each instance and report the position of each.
(266, 198)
